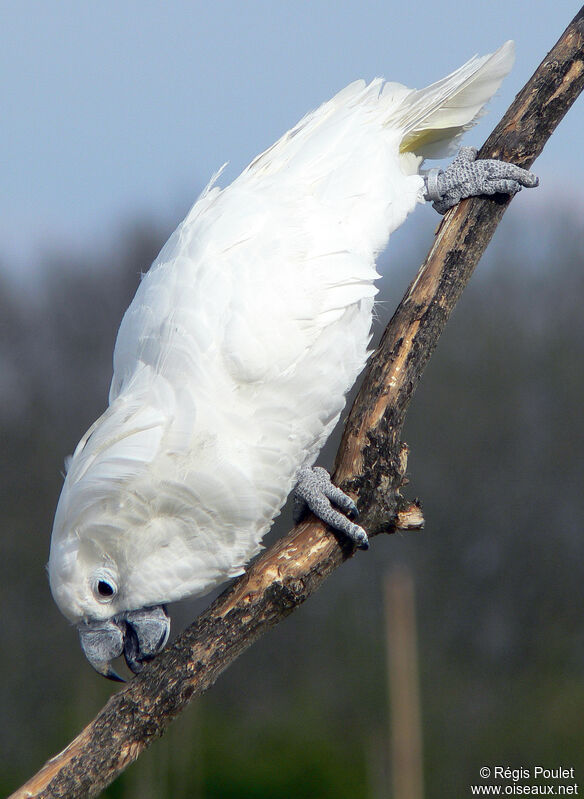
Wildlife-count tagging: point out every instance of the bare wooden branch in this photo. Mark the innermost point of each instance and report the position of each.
(371, 463)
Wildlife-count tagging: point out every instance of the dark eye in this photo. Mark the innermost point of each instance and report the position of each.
(103, 585)
(104, 589)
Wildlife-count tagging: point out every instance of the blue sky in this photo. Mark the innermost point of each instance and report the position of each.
(114, 110)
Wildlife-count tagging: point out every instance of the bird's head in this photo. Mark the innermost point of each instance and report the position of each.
(131, 535)
(103, 561)
(91, 594)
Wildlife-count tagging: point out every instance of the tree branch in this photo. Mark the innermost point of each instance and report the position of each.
(371, 464)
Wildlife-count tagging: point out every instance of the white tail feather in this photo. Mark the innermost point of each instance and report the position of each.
(436, 117)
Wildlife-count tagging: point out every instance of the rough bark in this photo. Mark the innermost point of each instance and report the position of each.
(371, 464)
(377, 416)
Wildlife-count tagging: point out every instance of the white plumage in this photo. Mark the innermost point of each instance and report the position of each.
(232, 362)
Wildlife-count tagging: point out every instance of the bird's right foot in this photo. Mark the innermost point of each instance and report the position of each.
(314, 491)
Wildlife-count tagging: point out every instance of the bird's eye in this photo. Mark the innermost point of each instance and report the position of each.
(104, 587)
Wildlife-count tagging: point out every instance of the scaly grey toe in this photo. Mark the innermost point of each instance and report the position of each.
(314, 491)
(468, 177)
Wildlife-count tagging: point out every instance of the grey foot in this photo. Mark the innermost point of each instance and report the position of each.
(314, 491)
(467, 177)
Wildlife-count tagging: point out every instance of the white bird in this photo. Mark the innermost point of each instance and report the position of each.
(232, 363)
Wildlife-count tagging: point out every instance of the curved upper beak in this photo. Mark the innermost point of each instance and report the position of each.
(138, 634)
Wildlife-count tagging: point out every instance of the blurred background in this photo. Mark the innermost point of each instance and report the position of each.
(114, 116)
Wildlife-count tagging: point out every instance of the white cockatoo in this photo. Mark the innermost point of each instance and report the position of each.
(232, 363)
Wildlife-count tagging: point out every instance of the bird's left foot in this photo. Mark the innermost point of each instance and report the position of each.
(314, 491)
(467, 177)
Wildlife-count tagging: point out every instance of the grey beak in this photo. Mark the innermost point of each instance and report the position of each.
(147, 632)
(102, 642)
(138, 634)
